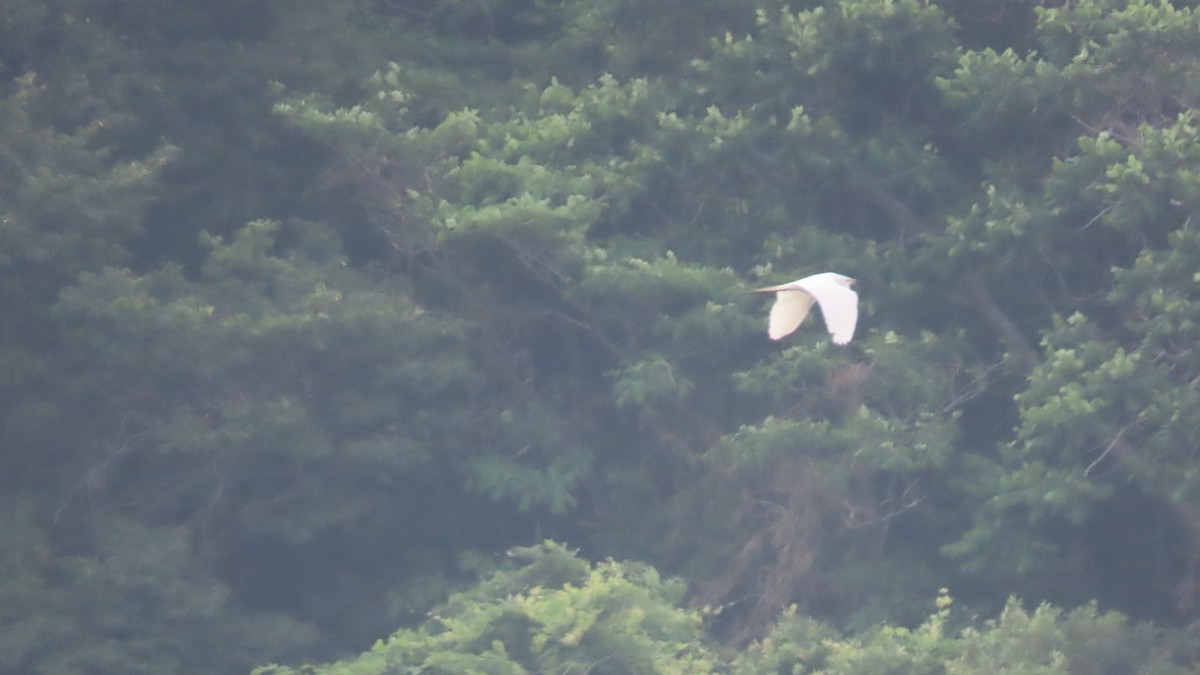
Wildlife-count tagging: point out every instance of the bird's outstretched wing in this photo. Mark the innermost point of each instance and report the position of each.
(839, 307)
(790, 308)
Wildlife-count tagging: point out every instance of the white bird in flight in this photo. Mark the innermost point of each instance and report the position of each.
(839, 305)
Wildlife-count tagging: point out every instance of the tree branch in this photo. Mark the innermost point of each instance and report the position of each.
(973, 288)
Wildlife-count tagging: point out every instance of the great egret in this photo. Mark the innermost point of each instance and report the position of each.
(839, 305)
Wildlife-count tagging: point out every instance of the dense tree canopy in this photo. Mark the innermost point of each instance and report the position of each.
(309, 312)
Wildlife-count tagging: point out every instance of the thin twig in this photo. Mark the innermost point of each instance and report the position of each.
(1113, 444)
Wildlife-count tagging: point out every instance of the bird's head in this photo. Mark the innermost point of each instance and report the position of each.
(843, 280)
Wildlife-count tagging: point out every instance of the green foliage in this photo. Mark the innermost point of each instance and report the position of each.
(1108, 405)
(68, 208)
(133, 600)
(284, 361)
(304, 308)
(556, 613)
(543, 475)
(278, 397)
(1046, 640)
(838, 454)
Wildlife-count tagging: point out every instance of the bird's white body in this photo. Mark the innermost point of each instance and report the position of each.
(839, 305)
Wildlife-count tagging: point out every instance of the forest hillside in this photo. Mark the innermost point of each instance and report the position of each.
(414, 336)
